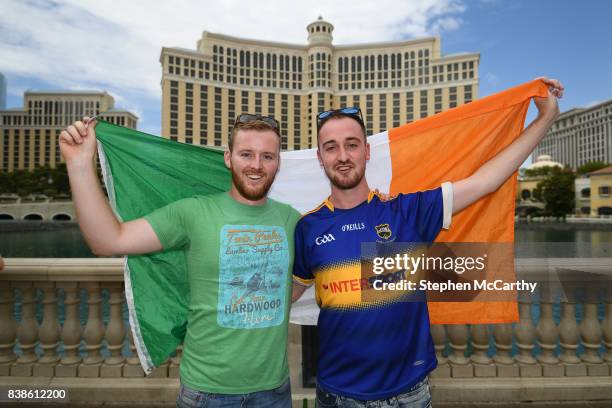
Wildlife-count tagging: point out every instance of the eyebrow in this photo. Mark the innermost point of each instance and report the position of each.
(351, 138)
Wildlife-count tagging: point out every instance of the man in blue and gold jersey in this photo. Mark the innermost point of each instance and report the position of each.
(381, 352)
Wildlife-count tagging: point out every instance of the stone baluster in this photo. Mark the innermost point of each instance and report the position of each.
(502, 334)
(607, 329)
(71, 332)
(592, 335)
(547, 332)
(133, 367)
(480, 344)
(569, 334)
(115, 332)
(438, 333)
(93, 333)
(27, 332)
(525, 332)
(8, 334)
(459, 335)
(49, 332)
(175, 362)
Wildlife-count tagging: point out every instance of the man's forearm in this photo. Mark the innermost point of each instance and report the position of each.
(497, 170)
(491, 175)
(96, 219)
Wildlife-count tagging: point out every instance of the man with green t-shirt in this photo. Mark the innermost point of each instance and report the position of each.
(239, 249)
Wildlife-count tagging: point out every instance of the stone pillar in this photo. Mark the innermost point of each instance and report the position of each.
(525, 332)
(133, 367)
(483, 366)
(569, 335)
(115, 332)
(459, 337)
(590, 331)
(49, 333)
(8, 334)
(71, 332)
(607, 331)
(93, 333)
(502, 333)
(27, 332)
(547, 333)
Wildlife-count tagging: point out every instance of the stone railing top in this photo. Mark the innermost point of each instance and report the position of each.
(63, 269)
(111, 269)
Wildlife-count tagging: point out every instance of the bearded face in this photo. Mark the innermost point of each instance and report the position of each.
(252, 183)
(253, 162)
(343, 152)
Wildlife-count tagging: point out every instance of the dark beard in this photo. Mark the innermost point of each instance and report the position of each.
(343, 183)
(251, 194)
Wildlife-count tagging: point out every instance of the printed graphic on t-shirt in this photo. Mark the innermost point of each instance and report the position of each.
(253, 268)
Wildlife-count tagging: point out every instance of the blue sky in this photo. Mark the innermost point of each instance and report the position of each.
(90, 44)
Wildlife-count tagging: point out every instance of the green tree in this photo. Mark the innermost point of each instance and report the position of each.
(557, 192)
(539, 171)
(591, 166)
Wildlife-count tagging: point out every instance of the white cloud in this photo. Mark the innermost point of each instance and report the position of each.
(96, 44)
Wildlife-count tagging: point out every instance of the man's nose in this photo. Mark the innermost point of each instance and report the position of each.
(258, 162)
(342, 154)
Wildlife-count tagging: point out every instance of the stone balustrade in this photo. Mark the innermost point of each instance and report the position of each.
(565, 340)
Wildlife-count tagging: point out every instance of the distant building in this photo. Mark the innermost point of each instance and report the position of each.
(526, 184)
(582, 187)
(203, 90)
(580, 136)
(2, 91)
(601, 191)
(28, 135)
(526, 204)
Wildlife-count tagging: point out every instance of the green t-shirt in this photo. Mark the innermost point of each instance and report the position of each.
(239, 261)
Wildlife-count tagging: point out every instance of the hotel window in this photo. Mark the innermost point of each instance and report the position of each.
(423, 105)
(467, 93)
(438, 100)
(396, 109)
(452, 96)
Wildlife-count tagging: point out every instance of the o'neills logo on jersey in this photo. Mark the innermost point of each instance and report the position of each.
(324, 239)
(353, 227)
(383, 231)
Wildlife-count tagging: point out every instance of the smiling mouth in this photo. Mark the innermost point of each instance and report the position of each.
(254, 177)
(344, 168)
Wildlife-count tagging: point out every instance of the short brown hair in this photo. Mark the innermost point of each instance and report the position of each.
(258, 125)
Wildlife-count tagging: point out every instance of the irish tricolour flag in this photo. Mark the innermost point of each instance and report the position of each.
(144, 172)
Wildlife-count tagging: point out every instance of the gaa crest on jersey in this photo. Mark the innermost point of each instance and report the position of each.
(383, 231)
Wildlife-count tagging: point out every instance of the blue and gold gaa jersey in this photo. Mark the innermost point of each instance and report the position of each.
(368, 350)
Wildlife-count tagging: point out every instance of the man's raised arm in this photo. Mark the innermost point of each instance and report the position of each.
(104, 234)
(491, 175)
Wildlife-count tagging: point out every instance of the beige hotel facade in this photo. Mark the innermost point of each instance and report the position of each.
(393, 83)
(29, 135)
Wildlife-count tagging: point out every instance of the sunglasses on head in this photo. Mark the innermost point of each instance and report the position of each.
(351, 111)
(248, 117)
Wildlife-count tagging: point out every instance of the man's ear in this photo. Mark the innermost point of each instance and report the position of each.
(226, 157)
(319, 157)
(367, 151)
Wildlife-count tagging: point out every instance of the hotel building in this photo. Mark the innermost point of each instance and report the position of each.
(28, 135)
(203, 90)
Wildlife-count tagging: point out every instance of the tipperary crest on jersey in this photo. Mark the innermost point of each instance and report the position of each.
(383, 231)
